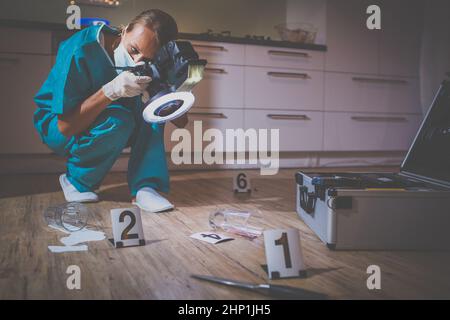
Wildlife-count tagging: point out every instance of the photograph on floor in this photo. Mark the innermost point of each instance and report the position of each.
(209, 151)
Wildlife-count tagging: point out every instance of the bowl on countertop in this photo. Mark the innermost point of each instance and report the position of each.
(297, 32)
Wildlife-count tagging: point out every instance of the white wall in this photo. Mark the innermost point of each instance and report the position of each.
(241, 17)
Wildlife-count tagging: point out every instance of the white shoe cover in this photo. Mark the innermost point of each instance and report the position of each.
(72, 194)
(149, 200)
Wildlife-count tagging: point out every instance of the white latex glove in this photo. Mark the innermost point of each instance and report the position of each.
(145, 97)
(126, 85)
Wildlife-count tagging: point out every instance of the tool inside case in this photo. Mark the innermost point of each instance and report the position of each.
(364, 180)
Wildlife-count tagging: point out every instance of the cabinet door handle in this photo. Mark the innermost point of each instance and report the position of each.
(215, 70)
(380, 80)
(378, 119)
(210, 47)
(216, 115)
(10, 60)
(288, 53)
(288, 75)
(288, 117)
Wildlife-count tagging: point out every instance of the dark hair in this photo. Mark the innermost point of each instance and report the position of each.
(160, 22)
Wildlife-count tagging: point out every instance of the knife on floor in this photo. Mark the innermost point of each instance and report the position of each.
(272, 290)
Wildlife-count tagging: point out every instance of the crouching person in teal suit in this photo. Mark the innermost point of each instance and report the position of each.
(89, 112)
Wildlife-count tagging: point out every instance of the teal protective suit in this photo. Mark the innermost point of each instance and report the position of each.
(82, 67)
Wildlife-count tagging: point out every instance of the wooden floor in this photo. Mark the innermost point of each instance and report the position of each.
(161, 269)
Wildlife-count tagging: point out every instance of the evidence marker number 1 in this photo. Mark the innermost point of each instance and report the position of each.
(284, 253)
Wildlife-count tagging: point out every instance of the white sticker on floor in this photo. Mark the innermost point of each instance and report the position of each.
(70, 242)
(82, 236)
(211, 237)
(61, 249)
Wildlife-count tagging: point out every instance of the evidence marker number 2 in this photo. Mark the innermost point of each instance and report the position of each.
(127, 227)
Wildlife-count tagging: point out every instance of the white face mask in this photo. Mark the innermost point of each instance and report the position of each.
(122, 58)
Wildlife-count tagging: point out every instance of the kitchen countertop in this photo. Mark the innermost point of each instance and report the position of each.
(239, 40)
(61, 28)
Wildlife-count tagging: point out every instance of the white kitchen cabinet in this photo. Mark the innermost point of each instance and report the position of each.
(283, 58)
(400, 37)
(371, 96)
(369, 93)
(221, 53)
(351, 46)
(298, 130)
(21, 76)
(16, 40)
(369, 131)
(222, 86)
(218, 118)
(272, 88)
(360, 95)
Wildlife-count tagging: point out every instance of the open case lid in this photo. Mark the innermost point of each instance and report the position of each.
(428, 158)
